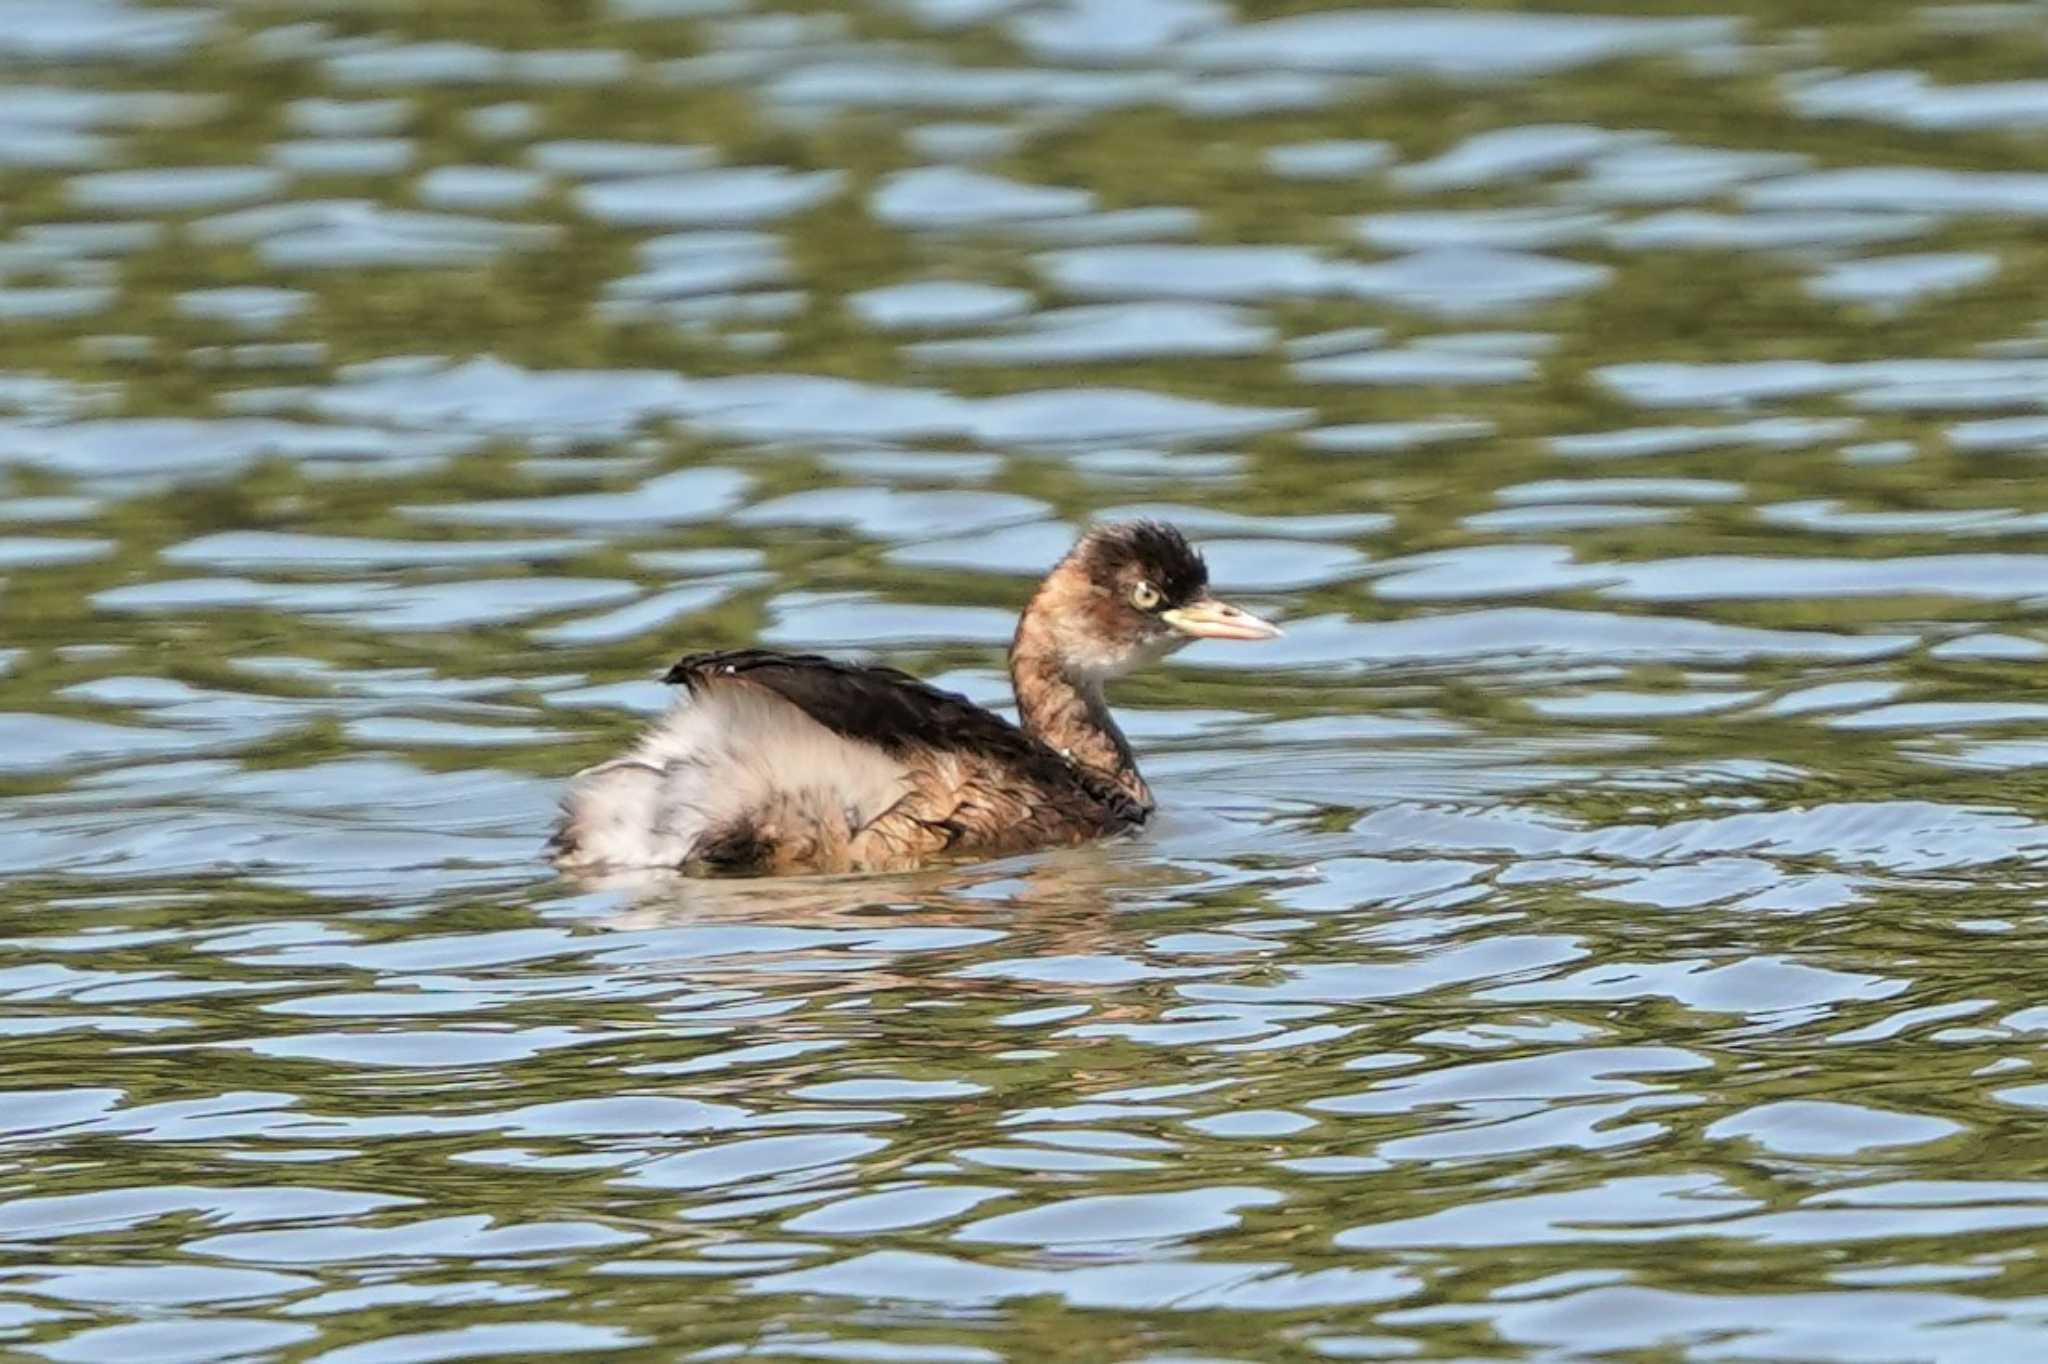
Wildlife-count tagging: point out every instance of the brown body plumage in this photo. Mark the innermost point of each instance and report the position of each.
(779, 764)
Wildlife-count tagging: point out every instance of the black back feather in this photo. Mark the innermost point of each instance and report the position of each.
(896, 713)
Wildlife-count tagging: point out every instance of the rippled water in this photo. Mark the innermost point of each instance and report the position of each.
(1605, 927)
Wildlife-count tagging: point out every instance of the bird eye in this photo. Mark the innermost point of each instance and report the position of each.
(1144, 596)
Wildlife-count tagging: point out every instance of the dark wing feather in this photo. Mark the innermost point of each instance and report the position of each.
(897, 713)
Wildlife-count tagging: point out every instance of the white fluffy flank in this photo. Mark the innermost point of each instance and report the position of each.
(732, 755)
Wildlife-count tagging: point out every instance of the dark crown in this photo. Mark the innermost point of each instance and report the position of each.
(1159, 553)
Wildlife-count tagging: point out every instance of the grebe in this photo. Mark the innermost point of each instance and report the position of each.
(776, 764)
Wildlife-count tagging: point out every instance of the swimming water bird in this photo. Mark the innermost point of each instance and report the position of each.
(777, 764)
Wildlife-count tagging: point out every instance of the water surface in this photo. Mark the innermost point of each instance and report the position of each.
(1603, 928)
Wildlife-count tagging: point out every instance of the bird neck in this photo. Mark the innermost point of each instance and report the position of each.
(1069, 714)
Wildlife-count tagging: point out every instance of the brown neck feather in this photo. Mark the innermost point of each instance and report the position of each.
(1066, 713)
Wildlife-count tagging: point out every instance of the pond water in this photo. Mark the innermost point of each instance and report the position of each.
(1606, 926)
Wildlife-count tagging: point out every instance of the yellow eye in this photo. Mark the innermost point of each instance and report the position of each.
(1144, 596)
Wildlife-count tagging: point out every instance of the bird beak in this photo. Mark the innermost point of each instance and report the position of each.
(1208, 618)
